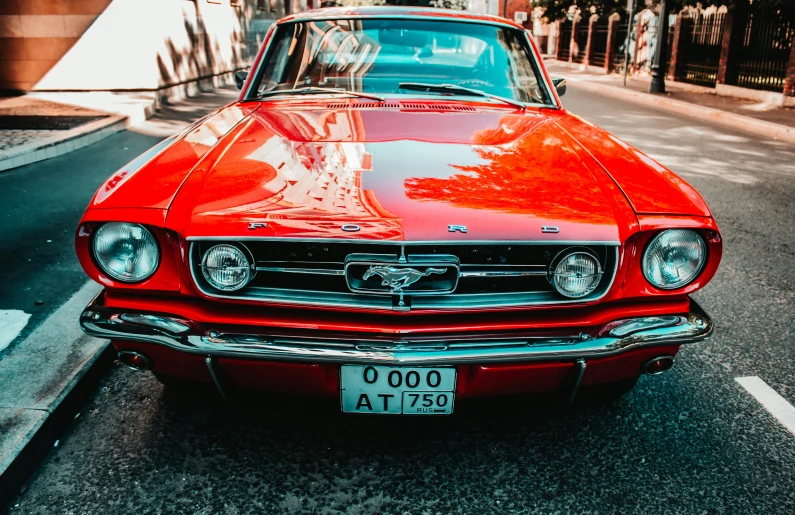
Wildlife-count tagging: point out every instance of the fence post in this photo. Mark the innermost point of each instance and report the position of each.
(558, 40)
(789, 82)
(612, 41)
(674, 69)
(573, 41)
(588, 46)
(732, 41)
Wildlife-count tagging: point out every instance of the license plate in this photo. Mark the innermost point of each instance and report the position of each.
(397, 390)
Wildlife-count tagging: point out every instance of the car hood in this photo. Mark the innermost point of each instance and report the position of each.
(402, 174)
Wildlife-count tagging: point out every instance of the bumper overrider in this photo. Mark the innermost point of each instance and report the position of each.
(616, 337)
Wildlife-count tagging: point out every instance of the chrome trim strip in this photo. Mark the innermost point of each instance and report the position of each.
(232, 239)
(503, 273)
(427, 17)
(314, 271)
(472, 273)
(98, 321)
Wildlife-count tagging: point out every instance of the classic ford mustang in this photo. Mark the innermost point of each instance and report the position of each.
(398, 213)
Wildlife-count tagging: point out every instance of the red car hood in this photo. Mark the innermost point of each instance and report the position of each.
(400, 174)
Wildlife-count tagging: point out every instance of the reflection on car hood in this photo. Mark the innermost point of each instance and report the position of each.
(399, 174)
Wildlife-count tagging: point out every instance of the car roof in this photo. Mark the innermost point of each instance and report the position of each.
(397, 12)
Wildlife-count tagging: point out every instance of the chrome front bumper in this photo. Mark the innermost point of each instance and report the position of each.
(610, 339)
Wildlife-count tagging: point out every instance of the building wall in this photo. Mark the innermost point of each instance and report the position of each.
(86, 45)
(508, 8)
(35, 34)
(484, 6)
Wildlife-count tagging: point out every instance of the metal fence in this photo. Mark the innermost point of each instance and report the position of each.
(757, 56)
(580, 42)
(564, 41)
(599, 42)
(621, 42)
(699, 55)
(764, 54)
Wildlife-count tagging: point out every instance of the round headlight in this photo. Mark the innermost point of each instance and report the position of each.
(226, 268)
(126, 252)
(674, 258)
(577, 274)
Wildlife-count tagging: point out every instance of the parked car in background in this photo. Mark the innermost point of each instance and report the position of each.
(398, 213)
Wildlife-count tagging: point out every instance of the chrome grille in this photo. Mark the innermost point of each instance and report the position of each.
(491, 274)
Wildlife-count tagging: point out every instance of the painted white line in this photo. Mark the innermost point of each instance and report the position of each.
(772, 401)
(12, 322)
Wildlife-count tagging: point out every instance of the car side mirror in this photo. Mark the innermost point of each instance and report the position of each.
(560, 85)
(240, 78)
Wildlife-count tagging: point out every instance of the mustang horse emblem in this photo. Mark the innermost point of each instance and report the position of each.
(399, 278)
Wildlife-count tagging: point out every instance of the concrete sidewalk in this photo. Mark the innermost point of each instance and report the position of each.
(757, 117)
(35, 380)
(41, 126)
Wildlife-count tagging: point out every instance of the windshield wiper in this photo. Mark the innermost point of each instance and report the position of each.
(313, 90)
(452, 88)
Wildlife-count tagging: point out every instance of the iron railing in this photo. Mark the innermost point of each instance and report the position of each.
(564, 41)
(701, 40)
(765, 50)
(621, 41)
(580, 42)
(599, 42)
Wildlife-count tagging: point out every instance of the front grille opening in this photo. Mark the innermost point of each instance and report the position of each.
(491, 274)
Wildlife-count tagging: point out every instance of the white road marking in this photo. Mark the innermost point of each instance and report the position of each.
(772, 401)
(12, 322)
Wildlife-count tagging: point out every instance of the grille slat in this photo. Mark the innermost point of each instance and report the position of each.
(491, 275)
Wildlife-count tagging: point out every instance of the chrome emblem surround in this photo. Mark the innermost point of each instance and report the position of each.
(402, 275)
(398, 278)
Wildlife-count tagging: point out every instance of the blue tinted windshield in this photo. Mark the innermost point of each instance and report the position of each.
(376, 55)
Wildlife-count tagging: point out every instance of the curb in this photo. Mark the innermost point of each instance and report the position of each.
(726, 119)
(38, 400)
(37, 443)
(72, 139)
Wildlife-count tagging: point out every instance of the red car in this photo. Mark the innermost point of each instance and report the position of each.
(398, 213)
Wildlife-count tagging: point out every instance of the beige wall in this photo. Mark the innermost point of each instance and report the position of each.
(83, 45)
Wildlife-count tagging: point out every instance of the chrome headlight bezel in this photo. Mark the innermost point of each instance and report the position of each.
(250, 268)
(554, 275)
(149, 240)
(646, 266)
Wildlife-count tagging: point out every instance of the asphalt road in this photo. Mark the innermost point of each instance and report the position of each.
(689, 441)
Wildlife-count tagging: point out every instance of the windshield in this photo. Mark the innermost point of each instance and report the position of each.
(377, 55)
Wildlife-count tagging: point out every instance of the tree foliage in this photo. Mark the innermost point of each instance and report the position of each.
(442, 4)
(560, 9)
